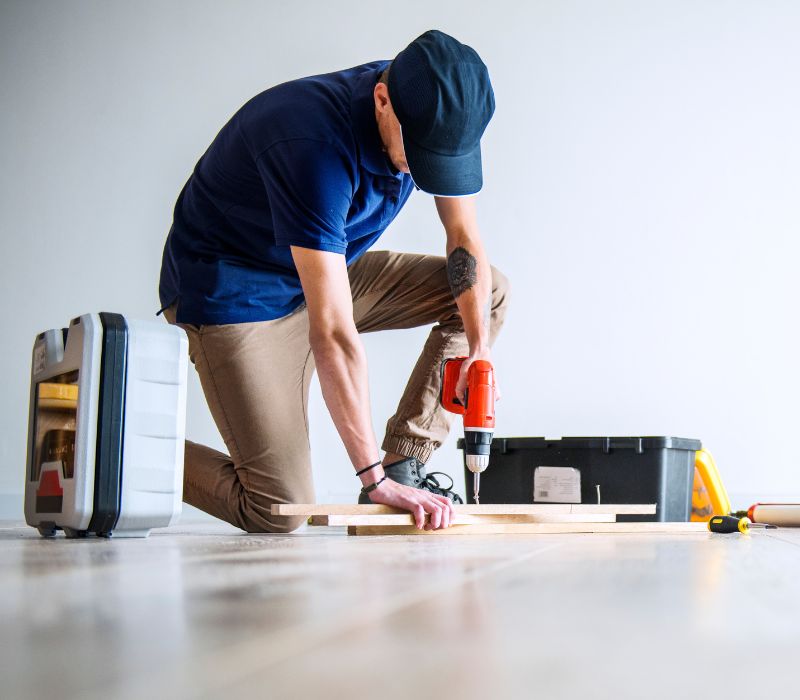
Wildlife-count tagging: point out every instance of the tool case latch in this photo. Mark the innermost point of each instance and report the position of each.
(623, 444)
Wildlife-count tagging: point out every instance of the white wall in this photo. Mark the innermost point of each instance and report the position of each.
(642, 195)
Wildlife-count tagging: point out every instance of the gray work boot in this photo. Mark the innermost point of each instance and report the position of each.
(411, 472)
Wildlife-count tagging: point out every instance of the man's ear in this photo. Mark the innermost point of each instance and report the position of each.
(381, 95)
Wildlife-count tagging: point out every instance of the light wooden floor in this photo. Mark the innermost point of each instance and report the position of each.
(204, 611)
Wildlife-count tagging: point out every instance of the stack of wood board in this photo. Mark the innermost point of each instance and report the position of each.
(509, 518)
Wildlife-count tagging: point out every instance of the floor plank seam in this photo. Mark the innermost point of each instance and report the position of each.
(777, 536)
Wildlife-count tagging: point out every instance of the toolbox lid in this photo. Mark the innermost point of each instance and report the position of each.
(606, 444)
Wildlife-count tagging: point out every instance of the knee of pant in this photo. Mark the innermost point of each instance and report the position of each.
(255, 511)
(275, 524)
(287, 523)
(501, 289)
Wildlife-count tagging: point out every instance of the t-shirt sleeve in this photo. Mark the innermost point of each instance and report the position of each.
(310, 189)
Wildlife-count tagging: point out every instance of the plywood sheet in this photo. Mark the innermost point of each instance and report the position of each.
(535, 529)
(400, 519)
(309, 509)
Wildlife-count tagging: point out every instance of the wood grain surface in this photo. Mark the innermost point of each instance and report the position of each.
(399, 519)
(310, 509)
(536, 529)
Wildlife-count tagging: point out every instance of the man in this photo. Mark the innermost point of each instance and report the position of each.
(266, 269)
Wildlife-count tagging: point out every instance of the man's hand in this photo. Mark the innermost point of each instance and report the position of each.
(418, 502)
(462, 375)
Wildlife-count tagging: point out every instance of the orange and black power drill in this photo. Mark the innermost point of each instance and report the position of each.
(477, 409)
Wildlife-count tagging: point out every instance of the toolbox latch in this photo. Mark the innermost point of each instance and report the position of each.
(632, 443)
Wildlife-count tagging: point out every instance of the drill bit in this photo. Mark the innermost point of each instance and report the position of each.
(476, 487)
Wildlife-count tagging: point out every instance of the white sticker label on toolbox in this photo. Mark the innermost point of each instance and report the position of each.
(40, 358)
(556, 485)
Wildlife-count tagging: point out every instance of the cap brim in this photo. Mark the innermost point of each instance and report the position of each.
(442, 175)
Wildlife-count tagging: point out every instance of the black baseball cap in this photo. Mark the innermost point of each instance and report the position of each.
(443, 99)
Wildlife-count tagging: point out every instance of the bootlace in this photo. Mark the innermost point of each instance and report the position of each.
(432, 484)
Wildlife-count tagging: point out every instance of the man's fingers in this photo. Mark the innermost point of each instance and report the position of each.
(419, 516)
(445, 516)
(461, 384)
(430, 511)
(447, 513)
(436, 515)
(435, 511)
(447, 510)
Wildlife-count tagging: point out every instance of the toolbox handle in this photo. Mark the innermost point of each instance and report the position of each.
(631, 443)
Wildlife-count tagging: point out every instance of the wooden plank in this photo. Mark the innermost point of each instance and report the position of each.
(616, 508)
(309, 509)
(537, 529)
(461, 519)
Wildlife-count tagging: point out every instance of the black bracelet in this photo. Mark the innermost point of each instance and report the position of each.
(366, 469)
(372, 487)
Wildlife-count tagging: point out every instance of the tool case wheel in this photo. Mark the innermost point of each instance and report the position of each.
(47, 529)
(73, 534)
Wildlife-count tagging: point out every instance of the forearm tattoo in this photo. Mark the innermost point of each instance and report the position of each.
(462, 271)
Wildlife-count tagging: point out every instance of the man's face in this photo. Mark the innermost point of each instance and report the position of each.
(389, 128)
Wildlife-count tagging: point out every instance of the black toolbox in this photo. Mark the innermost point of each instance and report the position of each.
(656, 470)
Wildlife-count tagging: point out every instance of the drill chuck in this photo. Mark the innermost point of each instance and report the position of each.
(477, 463)
(477, 444)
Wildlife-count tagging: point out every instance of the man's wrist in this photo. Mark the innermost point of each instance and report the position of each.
(373, 487)
(480, 351)
(373, 475)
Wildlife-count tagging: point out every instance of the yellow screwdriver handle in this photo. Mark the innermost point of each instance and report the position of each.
(729, 523)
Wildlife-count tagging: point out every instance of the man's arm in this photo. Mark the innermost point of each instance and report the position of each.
(342, 366)
(469, 275)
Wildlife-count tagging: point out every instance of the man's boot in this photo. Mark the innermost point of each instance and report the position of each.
(411, 472)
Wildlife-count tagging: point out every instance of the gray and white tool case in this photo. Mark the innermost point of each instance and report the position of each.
(106, 427)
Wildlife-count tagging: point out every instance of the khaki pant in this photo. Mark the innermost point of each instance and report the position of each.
(256, 377)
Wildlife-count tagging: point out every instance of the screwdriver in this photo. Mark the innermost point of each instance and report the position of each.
(730, 523)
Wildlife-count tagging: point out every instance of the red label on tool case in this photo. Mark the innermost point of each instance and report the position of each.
(50, 494)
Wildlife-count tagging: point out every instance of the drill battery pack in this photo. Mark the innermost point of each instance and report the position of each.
(106, 427)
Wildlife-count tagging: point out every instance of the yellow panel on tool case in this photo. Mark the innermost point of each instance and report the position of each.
(58, 396)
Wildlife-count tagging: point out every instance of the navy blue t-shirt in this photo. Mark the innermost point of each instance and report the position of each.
(300, 164)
